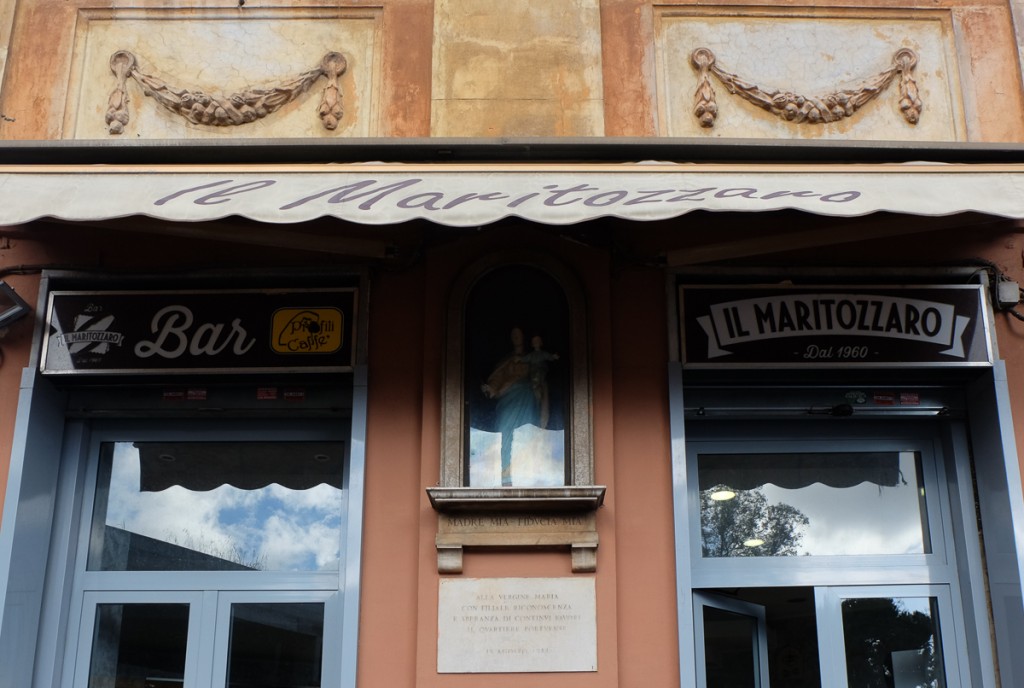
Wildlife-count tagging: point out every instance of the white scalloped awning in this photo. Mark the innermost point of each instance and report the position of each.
(473, 195)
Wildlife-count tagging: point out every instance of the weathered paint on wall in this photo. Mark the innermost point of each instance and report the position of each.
(6, 22)
(486, 68)
(58, 80)
(528, 68)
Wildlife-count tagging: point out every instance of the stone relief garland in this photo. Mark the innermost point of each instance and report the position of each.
(242, 107)
(799, 109)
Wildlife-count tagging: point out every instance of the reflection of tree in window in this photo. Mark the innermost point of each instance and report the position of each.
(889, 645)
(746, 525)
(840, 503)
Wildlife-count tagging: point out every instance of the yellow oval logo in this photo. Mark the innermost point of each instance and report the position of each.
(308, 330)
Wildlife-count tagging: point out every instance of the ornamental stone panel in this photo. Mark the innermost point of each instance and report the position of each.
(844, 75)
(258, 78)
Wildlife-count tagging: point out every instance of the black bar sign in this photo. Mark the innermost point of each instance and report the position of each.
(119, 333)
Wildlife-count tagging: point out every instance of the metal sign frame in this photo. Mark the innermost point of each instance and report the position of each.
(828, 326)
(179, 332)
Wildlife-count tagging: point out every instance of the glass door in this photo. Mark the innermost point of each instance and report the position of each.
(888, 637)
(275, 640)
(210, 556)
(139, 639)
(144, 639)
(732, 640)
(878, 636)
(824, 555)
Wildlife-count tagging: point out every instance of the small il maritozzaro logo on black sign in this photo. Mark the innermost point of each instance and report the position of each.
(732, 327)
(90, 337)
(91, 334)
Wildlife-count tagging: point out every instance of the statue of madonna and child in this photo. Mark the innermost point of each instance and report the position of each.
(519, 386)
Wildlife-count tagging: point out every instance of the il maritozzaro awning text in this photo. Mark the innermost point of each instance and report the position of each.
(417, 193)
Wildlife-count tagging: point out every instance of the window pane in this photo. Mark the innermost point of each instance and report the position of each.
(893, 642)
(279, 645)
(729, 649)
(139, 645)
(820, 504)
(218, 506)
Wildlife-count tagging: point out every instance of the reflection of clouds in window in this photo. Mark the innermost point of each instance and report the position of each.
(853, 503)
(538, 457)
(864, 519)
(321, 497)
(291, 544)
(273, 528)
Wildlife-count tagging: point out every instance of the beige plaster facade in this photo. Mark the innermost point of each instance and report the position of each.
(6, 22)
(62, 79)
(472, 68)
(530, 68)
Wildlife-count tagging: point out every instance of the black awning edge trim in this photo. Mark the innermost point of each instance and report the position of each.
(497, 150)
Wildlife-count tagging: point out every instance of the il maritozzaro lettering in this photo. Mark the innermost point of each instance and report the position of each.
(414, 193)
(864, 315)
(91, 333)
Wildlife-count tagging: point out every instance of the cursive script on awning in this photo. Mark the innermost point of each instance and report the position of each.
(473, 195)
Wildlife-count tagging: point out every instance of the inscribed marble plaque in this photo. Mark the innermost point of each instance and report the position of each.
(510, 625)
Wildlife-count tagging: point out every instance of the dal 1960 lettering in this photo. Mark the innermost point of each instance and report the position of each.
(813, 352)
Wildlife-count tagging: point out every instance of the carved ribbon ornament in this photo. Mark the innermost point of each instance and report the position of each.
(242, 107)
(800, 109)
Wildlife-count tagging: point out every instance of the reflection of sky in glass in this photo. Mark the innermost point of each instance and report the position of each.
(862, 519)
(278, 528)
(913, 605)
(538, 457)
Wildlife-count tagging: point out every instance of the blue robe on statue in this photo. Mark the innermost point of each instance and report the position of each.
(517, 406)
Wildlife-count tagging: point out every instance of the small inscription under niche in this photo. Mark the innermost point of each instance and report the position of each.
(577, 530)
(516, 523)
(563, 517)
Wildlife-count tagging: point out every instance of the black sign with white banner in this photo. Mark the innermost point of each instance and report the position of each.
(158, 332)
(835, 327)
